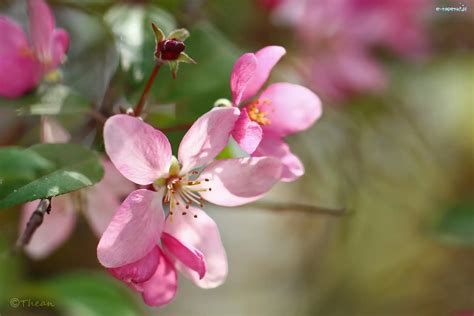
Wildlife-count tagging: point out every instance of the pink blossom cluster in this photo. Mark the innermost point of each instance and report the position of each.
(25, 59)
(146, 236)
(338, 39)
(144, 245)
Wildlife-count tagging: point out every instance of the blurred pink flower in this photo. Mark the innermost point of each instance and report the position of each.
(280, 110)
(190, 238)
(101, 201)
(23, 64)
(337, 39)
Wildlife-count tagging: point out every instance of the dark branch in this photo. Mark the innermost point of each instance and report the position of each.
(36, 219)
(310, 209)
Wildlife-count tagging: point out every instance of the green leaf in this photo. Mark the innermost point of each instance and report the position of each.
(46, 170)
(91, 294)
(19, 166)
(456, 226)
(55, 99)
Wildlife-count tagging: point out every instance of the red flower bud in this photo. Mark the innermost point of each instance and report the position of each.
(169, 49)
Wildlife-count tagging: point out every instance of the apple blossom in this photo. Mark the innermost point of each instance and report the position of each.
(280, 110)
(29, 61)
(190, 239)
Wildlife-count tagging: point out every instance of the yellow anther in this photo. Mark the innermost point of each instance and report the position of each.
(256, 114)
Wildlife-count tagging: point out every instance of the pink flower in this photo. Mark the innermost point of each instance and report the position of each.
(99, 203)
(337, 39)
(27, 62)
(189, 238)
(280, 110)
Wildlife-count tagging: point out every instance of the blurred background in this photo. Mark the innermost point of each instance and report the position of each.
(394, 148)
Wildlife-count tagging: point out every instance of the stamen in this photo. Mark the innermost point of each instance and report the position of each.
(255, 112)
(183, 191)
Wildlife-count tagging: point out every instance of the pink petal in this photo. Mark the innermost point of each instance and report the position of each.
(100, 209)
(134, 230)
(117, 184)
(186, 254)
(247, 133)
(201, 233)
(24, 69)
(207, 137)
(52, 131)
(41, 26)
(242, 73)
(291, 108)
(240, 181)
(59, 46)
(272, 145)
(55, 229)
(13, 40)
(104, 199)
(138, 271)
(139, 151)
(267, 58)
(161, 288)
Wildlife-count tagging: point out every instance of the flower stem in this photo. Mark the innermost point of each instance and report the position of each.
(36, 219)
(295, 207)
(139, 107)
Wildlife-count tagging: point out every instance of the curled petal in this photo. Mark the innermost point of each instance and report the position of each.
(290, 108)
(201, 233)
(247, 133)
(59, 46)
(207, 137)
(274, 146)
(239, 181)
(267, 58)
(139, 151)
(242, 73)
(55, 229)
(186, 254)
(162, 286)
(138, 271)
(41, 26)
(52, 131)
(134, 230)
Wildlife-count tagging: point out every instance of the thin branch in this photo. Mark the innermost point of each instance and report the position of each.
(97, 116)
(141, 103)
(296, 207)
(36, 219)
(182, 127)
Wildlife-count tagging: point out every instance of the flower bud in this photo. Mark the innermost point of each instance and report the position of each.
(169, 49)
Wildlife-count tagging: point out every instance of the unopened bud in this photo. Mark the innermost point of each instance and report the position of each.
(169, 49)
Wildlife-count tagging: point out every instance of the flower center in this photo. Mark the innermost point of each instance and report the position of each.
(256, 113)
(183, 190)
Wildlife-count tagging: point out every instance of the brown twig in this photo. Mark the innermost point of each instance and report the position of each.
(141, 103)
(310, 209)
(182, 127)
(36, 219)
